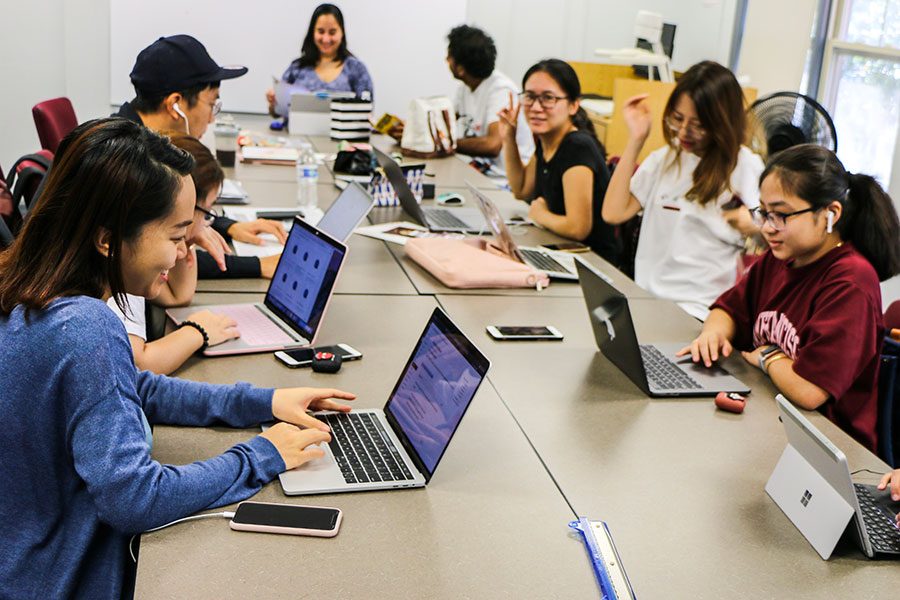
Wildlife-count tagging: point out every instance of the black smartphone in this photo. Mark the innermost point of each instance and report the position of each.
(567, 247)
(303, 357)
(292, 519)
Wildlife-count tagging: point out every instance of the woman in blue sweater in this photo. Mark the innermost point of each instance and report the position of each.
(76, 473)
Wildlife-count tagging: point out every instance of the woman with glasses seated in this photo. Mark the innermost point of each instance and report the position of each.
(167, 353)
(566, 178)
(694, 192)
(809, 313)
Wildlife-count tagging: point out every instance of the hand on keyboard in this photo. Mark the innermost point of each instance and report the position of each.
(296, 446)
(894, 480)
(708, 346)
(219, 328)
(291, 404)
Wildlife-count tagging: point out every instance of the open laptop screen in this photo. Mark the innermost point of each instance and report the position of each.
(347, 211)
(435, 389)
(304, 277)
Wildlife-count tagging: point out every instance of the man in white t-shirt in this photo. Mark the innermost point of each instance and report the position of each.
(471, 55)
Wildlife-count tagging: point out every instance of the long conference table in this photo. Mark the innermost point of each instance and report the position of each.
(554, 433)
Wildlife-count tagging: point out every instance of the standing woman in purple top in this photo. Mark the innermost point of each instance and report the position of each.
(325, 64)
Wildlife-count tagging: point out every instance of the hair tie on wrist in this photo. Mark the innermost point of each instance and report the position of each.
(198, 328)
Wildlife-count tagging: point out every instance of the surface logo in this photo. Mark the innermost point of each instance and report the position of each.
(806, 498)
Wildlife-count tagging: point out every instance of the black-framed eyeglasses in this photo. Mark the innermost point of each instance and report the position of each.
(775, 219)
(546, 99)
(208, 215)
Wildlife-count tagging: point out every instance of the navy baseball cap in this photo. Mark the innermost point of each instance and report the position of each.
(174, 63)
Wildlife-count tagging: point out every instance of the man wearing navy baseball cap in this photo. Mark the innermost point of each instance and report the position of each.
(177, 86)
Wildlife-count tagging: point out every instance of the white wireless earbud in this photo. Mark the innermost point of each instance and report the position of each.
(829, 222)
(177, 109)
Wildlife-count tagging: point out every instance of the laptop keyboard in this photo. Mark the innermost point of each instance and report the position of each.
(363, 450)
(543, 261)
(256, 328)
(441, 217)
(882, 530)
(663, 373)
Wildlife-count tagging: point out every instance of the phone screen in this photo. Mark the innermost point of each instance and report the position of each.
(524, 331)
(286, 515)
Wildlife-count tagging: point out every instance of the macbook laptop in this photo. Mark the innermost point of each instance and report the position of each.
(533, 257)
(812, 485)
(401, 445)
(652, 367)
(339, 221)
(347, 212)
(295, 302)
(457, 220)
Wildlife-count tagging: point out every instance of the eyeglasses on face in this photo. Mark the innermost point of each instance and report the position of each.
(677, 122)
(775, 219)
(546, 99)
(208, 215)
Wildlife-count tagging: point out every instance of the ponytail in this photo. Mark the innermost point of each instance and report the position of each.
(868, 219)
(873, 227)
(581, 120)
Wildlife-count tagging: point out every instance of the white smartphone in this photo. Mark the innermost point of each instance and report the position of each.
(292, 519)
(524, 332)
(304, 356)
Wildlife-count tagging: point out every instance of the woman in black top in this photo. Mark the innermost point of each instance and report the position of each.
(566, 178)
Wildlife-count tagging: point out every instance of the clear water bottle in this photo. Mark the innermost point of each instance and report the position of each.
(307, 178)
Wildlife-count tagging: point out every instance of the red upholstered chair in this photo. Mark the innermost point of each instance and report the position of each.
(53, 119)
(892, 316)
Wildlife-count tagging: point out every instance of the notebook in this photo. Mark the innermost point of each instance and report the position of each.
(652, 367)
(295, 302)
(812, 485)
(410, 435)
(535, 258)
(458, 220)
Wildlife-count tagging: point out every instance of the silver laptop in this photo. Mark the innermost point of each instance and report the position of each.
(346, 212)
(535, 258)
(401, 445)
(652, 367)
(295, 302)
(457, 220)
(812, 485)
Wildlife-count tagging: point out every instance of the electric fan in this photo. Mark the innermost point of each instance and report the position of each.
(788, 118)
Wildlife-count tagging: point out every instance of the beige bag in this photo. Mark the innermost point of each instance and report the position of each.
(430, 129)
(472, 263)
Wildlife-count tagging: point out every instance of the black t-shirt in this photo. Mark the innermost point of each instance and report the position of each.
(578, 148)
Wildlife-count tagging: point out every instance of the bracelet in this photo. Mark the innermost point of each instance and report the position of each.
(198, 328)
(764, 355)
(773, 359)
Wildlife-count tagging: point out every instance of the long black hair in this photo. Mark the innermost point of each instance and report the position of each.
(108, 173)
(868, 219)
(309, 53)
(564, 75)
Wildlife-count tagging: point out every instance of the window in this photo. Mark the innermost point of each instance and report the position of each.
(862, 84)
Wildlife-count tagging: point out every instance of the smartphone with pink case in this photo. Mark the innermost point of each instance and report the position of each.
(290, 519)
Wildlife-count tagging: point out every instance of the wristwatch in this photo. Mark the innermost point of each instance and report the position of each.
(764, 355)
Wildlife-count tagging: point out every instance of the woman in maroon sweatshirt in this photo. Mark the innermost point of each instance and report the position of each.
(809, 313)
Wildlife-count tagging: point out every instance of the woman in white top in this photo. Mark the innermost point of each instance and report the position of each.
(695, 192)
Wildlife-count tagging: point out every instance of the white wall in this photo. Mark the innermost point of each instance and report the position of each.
(525, 31)
(50, 48)
(775, 43)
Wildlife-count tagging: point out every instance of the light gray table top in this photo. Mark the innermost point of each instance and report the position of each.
(680, 483)
(490, 524)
